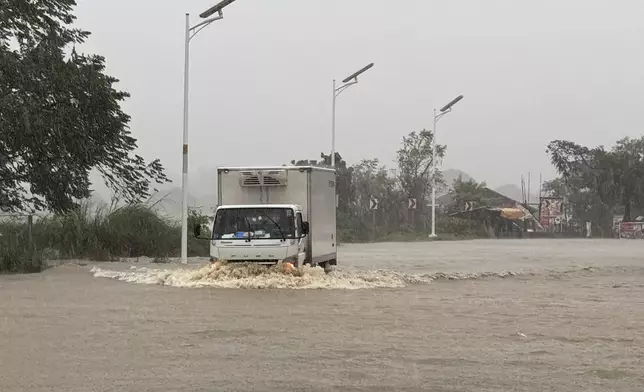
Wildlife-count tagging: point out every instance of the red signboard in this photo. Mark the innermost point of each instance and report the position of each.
(551, 212)
(631, 230)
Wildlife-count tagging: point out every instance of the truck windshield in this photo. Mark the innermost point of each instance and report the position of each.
(254, 223)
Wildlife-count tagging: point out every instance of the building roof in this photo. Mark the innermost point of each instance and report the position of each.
(494, 198)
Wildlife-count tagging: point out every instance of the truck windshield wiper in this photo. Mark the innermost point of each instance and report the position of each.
(250, 229)
(278, 227)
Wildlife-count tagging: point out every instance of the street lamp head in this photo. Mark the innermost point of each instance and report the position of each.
(217, 8)
(355, 74)
(452, 103)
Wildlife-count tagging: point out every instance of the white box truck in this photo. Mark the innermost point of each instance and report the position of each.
(275, 214)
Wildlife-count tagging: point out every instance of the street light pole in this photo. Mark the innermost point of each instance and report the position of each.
(433, 235)
(348, 81)
(444, 110)
(184, 166)
(190, 32)
(333, 127)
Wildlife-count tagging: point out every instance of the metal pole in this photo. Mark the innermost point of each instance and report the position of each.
(529, 183)
(333, 129)
(433, 235)
(373, 225)
(30, 238)
(184, 173)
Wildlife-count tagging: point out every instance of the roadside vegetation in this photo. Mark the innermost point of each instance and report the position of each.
(98, 234)
(450, 229)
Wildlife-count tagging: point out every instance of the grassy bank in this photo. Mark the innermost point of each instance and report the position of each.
(94, 234)
(450, 228)
(14, 251)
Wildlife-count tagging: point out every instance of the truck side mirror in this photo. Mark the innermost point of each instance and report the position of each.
(305, 228)
(201, 233)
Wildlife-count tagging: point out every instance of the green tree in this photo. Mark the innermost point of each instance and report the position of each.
(415, 164)
(372, 180)
(629, 172)
(464, 191)
(60, 115)
(583, 203)
(599, 182)
(414, 160)
(359, 183)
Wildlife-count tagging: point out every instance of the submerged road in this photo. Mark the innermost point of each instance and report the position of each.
(567, 316)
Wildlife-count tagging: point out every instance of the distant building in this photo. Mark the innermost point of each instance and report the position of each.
(489, 198)
(500, 216)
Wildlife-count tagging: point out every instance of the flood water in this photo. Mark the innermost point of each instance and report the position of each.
(491, 315)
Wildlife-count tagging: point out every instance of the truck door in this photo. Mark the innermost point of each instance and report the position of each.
(301, 242)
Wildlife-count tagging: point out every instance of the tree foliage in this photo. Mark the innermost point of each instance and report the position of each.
(467, 191)
(584, 204)
(60, 115)
(415, 163)
(359, 183)
(598, 182)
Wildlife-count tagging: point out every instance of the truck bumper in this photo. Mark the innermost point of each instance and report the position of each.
(260, 262)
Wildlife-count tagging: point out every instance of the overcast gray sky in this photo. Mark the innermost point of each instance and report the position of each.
(261, 78)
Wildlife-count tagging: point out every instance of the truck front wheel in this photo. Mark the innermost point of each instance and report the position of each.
(326, 266)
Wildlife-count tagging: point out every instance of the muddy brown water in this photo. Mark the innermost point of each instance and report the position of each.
(394, 317)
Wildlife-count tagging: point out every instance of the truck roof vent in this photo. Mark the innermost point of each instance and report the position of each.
(274, 178)
(250, 180)
(263, 178)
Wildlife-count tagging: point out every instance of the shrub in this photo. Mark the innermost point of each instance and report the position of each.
(97, 234)
(14, 251)
(447, 228)
(459, 227)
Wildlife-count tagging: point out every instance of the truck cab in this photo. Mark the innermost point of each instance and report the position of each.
(261, 233)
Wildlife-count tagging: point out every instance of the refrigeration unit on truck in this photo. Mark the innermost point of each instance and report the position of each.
(275, 214)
